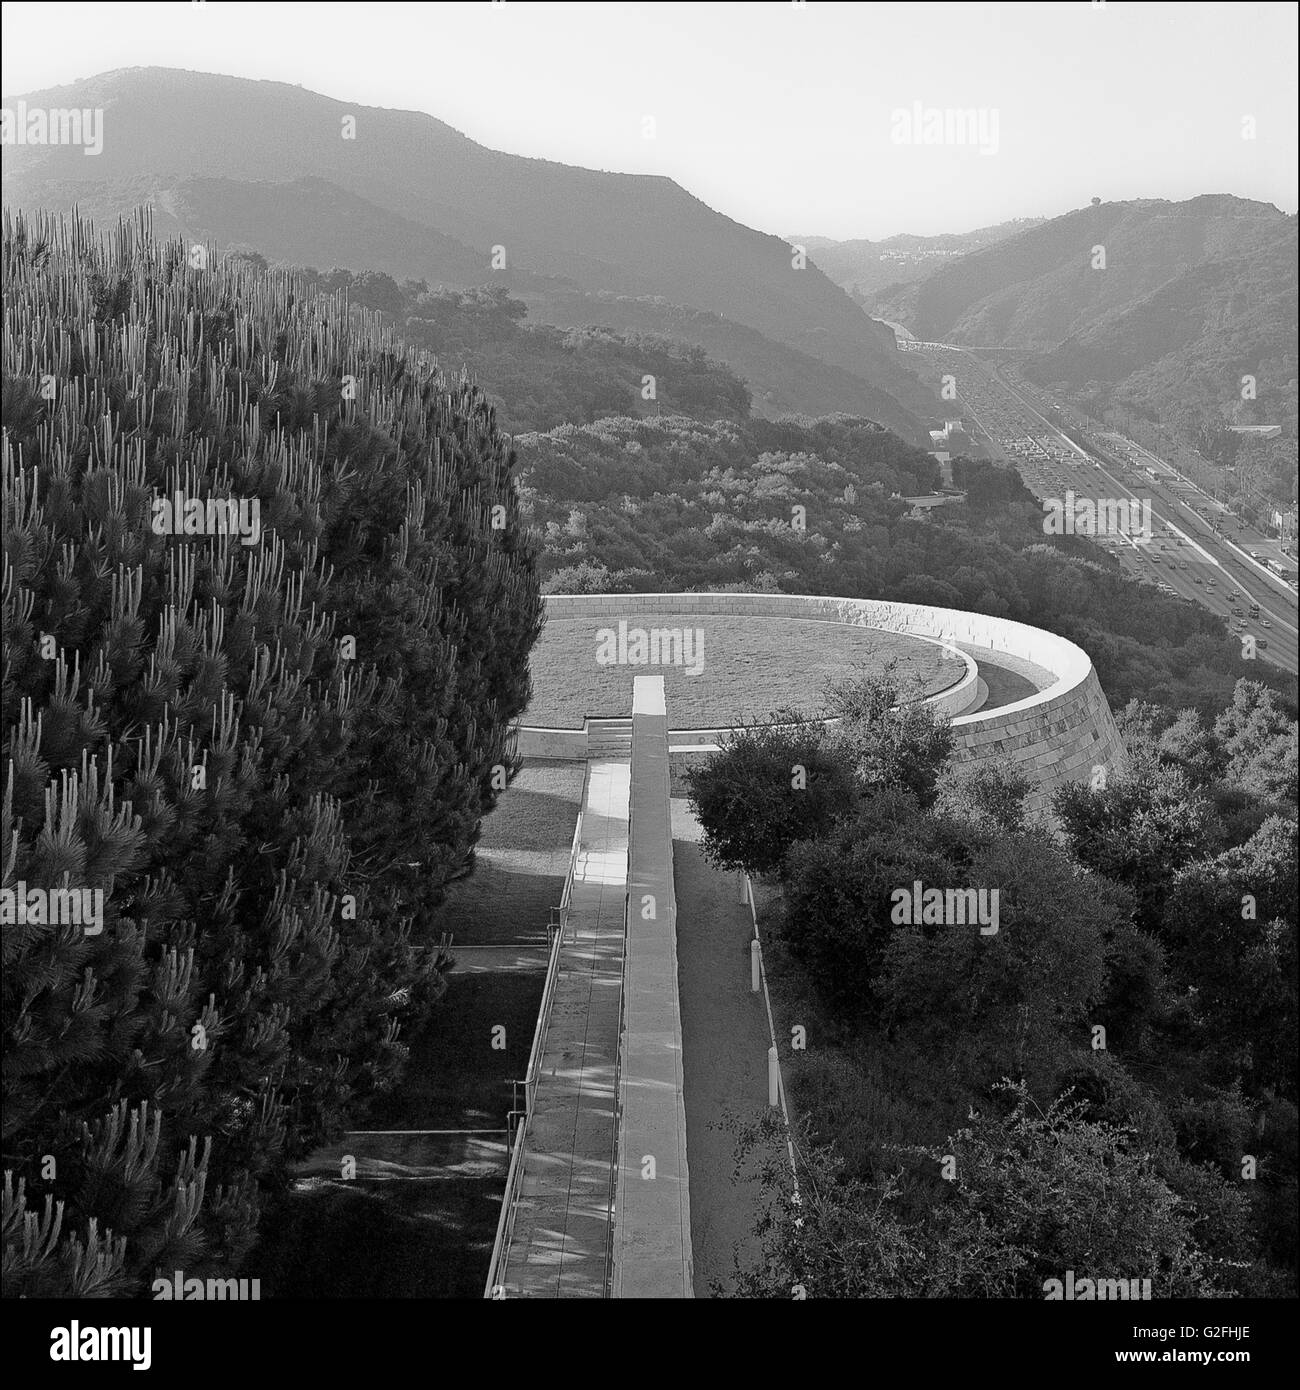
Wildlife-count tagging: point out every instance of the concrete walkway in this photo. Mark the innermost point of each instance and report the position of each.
(724, 1042)
(562, 1223)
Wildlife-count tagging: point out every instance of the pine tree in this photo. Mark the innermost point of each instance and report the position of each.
(269, 758)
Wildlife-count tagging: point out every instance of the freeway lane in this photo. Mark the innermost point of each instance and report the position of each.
(1187, 554)
(1202, 556)
(1259, 545)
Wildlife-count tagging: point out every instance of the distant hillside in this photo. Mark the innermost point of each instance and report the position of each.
(1183, 349)
(782, 380)
(226, 159)
(1193, 297)
(866, 267)
(538, 376)
(1038, 288)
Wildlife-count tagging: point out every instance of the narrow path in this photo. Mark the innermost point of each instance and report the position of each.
(724, 1043)
(562, 1220)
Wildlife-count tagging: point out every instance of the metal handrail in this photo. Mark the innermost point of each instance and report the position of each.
(771, 1028)
(543, 1023)
(552, 971)
(506, 1221)
(567, 894)
(618, 1097)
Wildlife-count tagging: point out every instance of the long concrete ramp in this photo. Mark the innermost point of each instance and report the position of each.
(560, 1245)
(652, 1226)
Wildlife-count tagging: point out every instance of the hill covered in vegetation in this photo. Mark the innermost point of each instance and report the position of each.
(817, 507)
(1165, 308)
(302, 178)
(866, 268)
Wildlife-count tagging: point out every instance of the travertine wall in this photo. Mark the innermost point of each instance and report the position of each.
(1056, 735)
(1061, 737)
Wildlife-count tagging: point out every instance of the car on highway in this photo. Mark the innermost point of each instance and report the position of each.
(1238, 613)
(1262, 644)
(1264, 622)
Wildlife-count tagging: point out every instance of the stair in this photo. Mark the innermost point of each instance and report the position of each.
(609, 739)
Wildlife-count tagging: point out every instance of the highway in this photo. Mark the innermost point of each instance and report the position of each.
(1187, 554)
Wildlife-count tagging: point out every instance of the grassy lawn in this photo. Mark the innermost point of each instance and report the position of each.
(368, 1239)
(751, 667)
(454, 1078)
(431, 1237)
(521, 861)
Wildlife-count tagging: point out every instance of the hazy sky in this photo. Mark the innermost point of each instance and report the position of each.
(778, 115)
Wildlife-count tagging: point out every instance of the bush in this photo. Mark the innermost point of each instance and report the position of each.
(773, 784)
(891, 741)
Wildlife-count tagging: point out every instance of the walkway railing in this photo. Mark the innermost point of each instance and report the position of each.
(617, 1101)
(747, 892)
(518, 1118)
(567, 895)
(506, 1221)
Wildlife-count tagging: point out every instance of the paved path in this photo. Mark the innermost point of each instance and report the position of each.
(1006, 678)
(724, 1042)
(562, 1220)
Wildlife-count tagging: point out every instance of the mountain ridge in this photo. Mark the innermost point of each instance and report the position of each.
(629, 234)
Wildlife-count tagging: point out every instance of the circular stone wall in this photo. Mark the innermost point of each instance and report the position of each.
(1063, 732)
(734, 668)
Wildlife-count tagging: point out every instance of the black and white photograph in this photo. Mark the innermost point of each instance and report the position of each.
(650, 654)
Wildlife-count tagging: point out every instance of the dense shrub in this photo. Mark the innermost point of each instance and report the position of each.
(773, 784)
(269, 757)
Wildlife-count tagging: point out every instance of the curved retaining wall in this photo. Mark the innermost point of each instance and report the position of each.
(1056, 735)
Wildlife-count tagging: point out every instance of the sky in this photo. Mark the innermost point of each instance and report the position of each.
(795, 119)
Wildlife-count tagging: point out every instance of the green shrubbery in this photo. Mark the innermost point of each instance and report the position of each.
(777, 784)
(1145, 1017)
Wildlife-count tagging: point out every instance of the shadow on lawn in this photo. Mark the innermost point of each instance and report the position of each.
(412, 1239)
